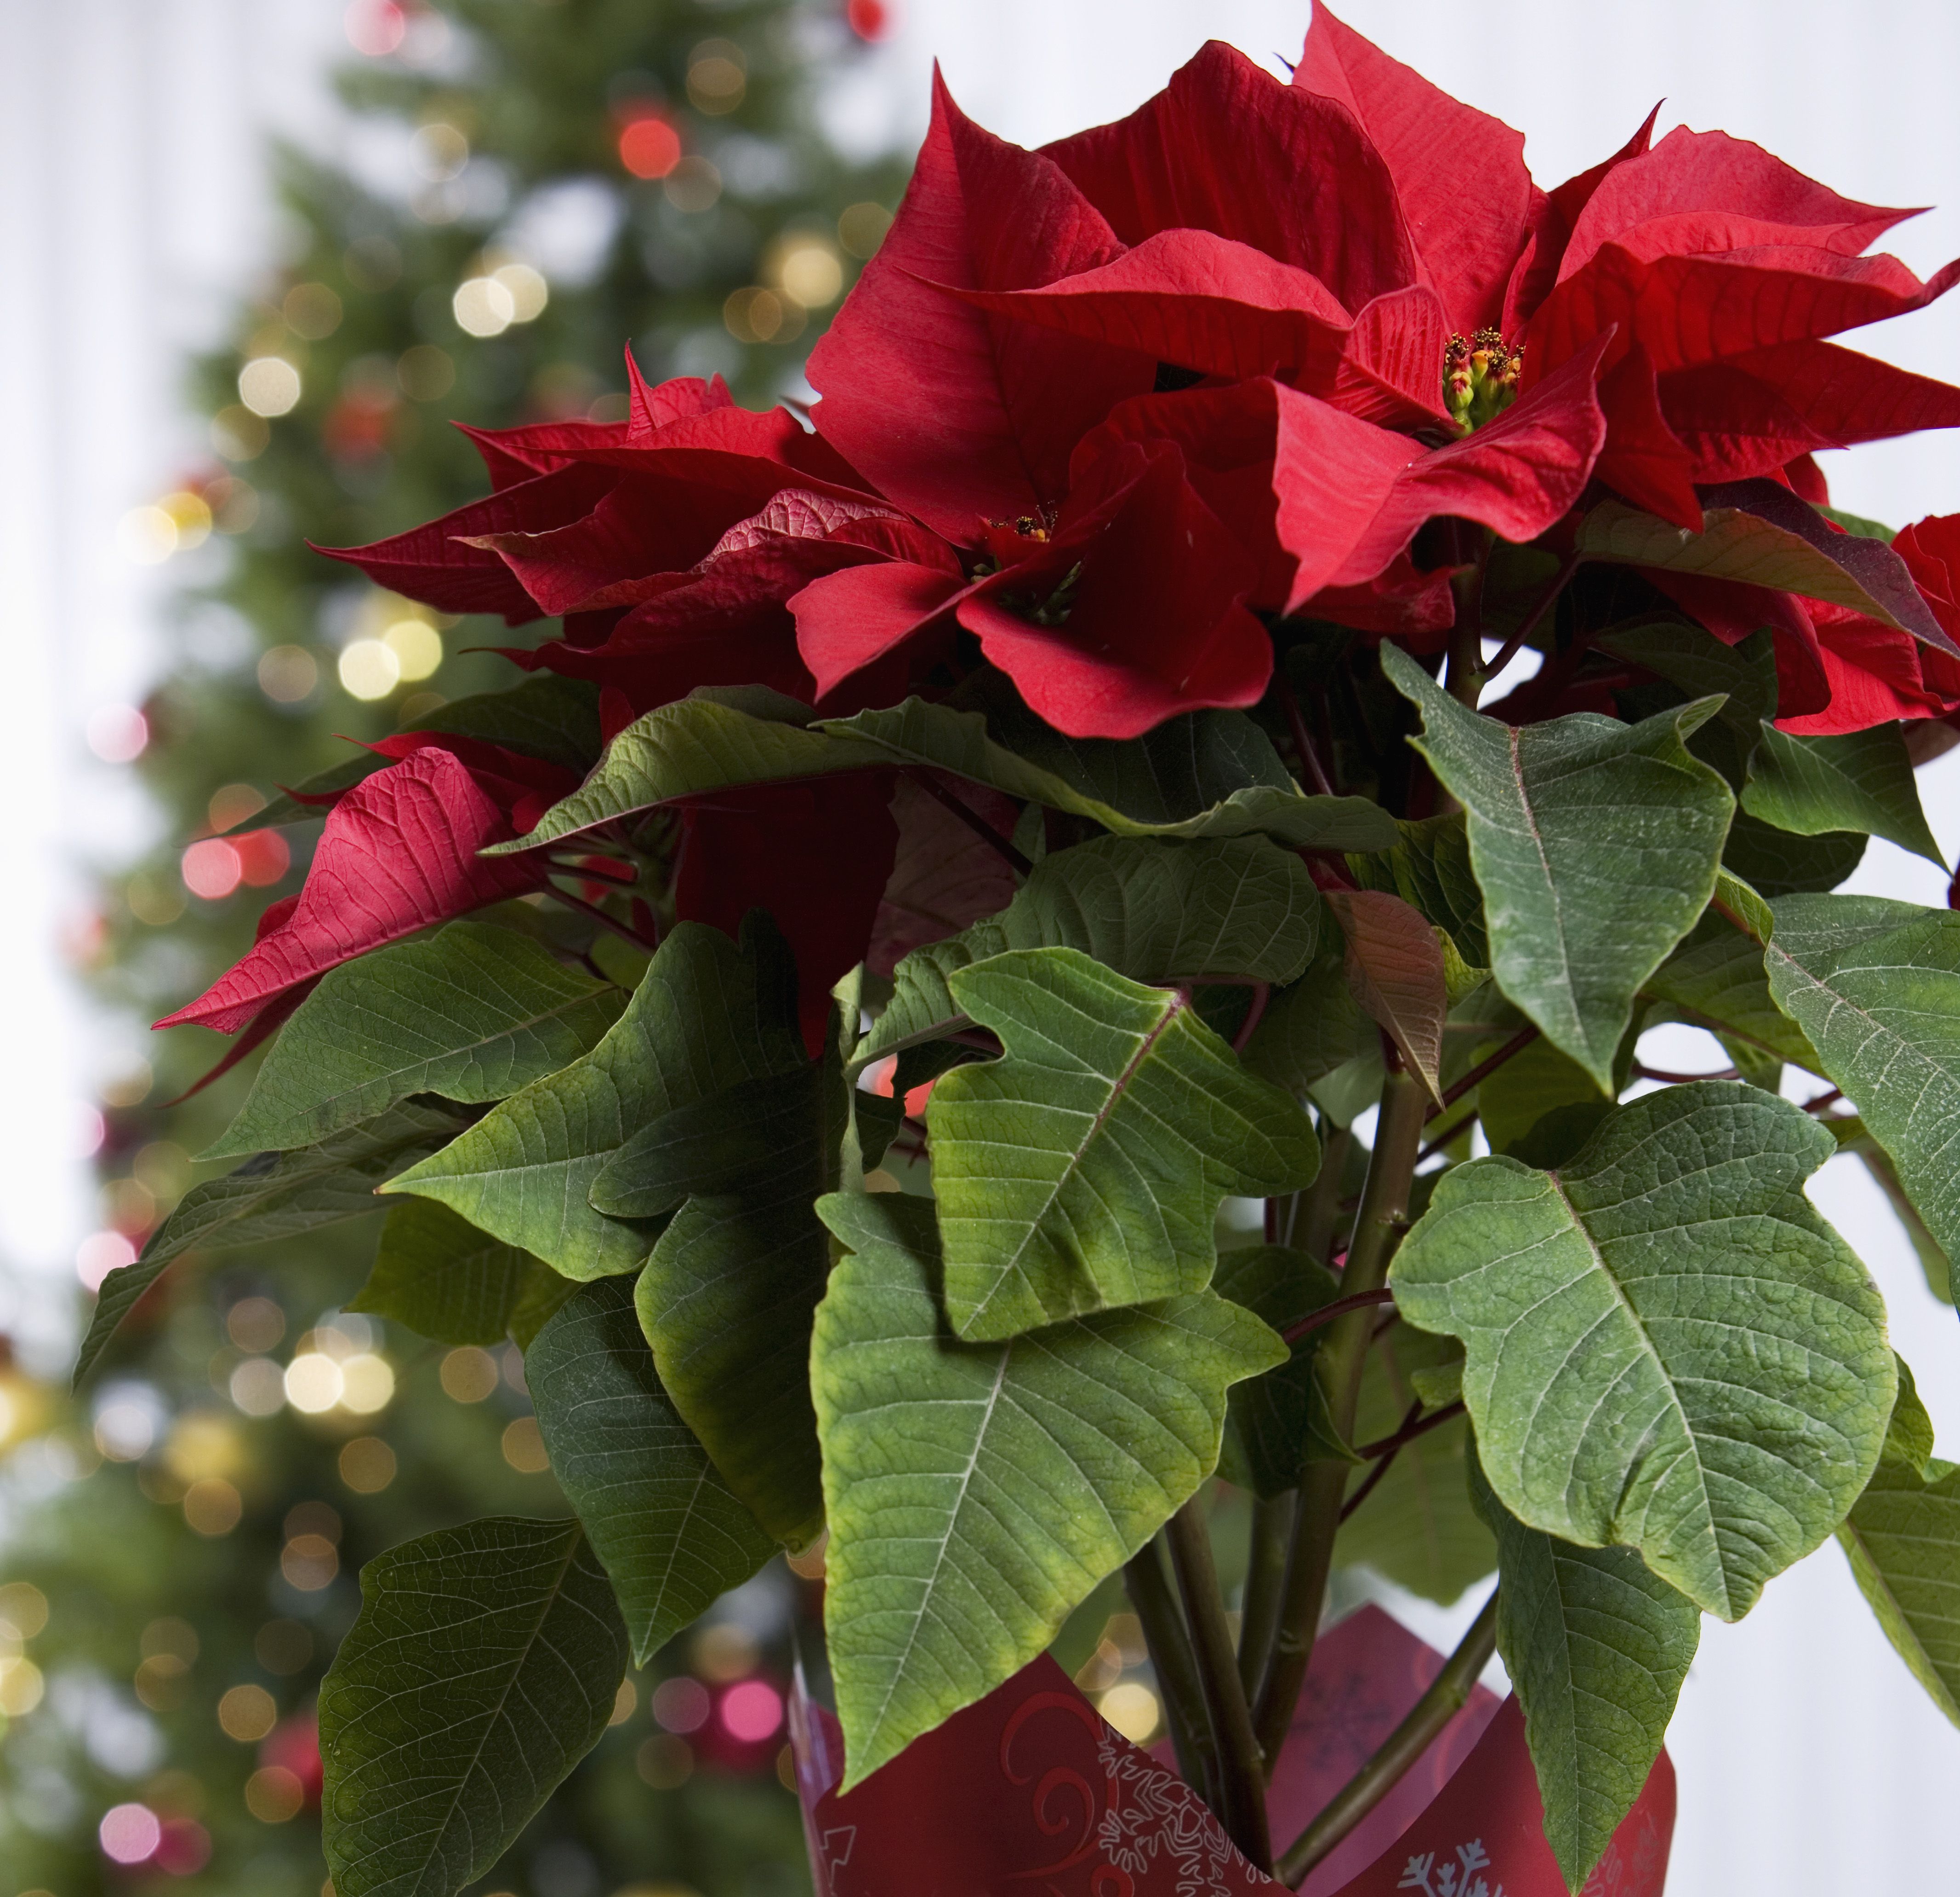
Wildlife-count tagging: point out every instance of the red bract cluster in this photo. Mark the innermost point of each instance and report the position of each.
(1101, 415)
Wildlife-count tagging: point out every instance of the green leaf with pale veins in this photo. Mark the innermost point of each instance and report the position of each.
(1903, 1541)
(1596, 1647)
(1279, 1422)
(978, 1493)
(445, 1280)
(1716, 980)
(1154, 911)
(1860, 781)
(727, 1299)
(1085, 1168)
(272, 1196)
(1874, 985)
(706, 1015)
(670, 1531)
(472, 1013)
(482, 1667)
(1429, 870)
(1596, 844)
(714, 740)
(1667, 1348)
(918, 732)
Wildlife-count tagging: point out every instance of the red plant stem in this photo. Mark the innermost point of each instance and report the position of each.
(1449, 1134)
(1484, 1068)
(1383, 1465)
(973, 820)
(1643, 1072)
(1387, 1445)
(598, 869)
(1511, 647)
(1823, 1100)
(1309, 756)
(1261, 994)
(1339, 1308)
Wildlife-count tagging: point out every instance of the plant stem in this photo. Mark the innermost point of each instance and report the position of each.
(1265, 1574)
(1342, 1356)
(1333, 1313)
(1309, 756)
(1323, 1205)
(599, 916)
(1484, 1068)
(1540, 607)
(1445, 1699)
(1242, 1773)
(1149, 1589)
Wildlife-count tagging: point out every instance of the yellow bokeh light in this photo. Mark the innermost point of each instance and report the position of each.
(21, 1686)
(524, 1447)
(190, 515)
(417, 648)
(313, 1383)
(1132, 1709)
(147, 535)
(238, 434)
(369, 669)
(468, 1374)
(201, 1444)
(810, 273)
(367, 1383)
(247, 1714)
(861, 228)
(212, 1508)
(312, 310)
(24, 1610)
(269, 386)
(273, 1794)
(367, 1465)
(528, 290)
(483, 306)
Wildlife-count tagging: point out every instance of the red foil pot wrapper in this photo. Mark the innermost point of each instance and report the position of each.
(1030, 1792)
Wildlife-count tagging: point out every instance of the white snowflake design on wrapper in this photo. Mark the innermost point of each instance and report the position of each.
(1459, 1879)
(1152, 1811)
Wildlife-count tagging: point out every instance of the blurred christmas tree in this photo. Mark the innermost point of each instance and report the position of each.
(540, 183)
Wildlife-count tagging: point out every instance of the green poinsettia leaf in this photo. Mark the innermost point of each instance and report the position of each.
(1716, 980)
(1596, 844)
(714, 740)
(1667, 1348)
(1279, 1422)
(483, 1666)
(272, 1196)
(446, 1280)
(472, 1013)
(1154, 911)
(1085, 1168)
(978, 1492)
(545, 716)
(707, 1015)
(1701, 666)
(1861, 781)
(1536, 1080)
(1312, 1026)
(1089, 779)
(1416, 1528)
(671, 1535)
(1903, 1541)
(1596, 1647)
(1874, 985)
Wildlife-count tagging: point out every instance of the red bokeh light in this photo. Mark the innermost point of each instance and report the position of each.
(649, 148)
(293, 1745)
(212, 868)
(263, 857)
(376, 27)
(751, 1710)
(184, 1849)
(870, 19)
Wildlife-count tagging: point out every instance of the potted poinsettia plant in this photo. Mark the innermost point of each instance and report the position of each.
(954, 852)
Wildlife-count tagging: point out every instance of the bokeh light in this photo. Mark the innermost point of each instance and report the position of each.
(289, 674)
(255, 1324)
(468, 1374)
(309, 1562)
(417, 648)
(257, 1387)
(649, 147)
(483, 307)
(212, 869)
(376, 27)
(439, 152)
(313, 1383)
(367, 1465)
(369, 669)
(273, 1794)
(21, 1685)
(367, 1383)
(681, 1704)
(861, 228)
(23, 1611)
(523, 1447)
(117, 734)
(751, 1712)
(212, 1508)
(269, 386)
(100, 1253)
(425, 373)
(312, 310)
(247, 1714)
(717, 77)
(529, 293)
(870, 20)
(1132, 1708)
(810, 272)
(129, 1834)
(692, 185)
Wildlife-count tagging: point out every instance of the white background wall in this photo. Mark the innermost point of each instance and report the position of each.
(132, 206)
